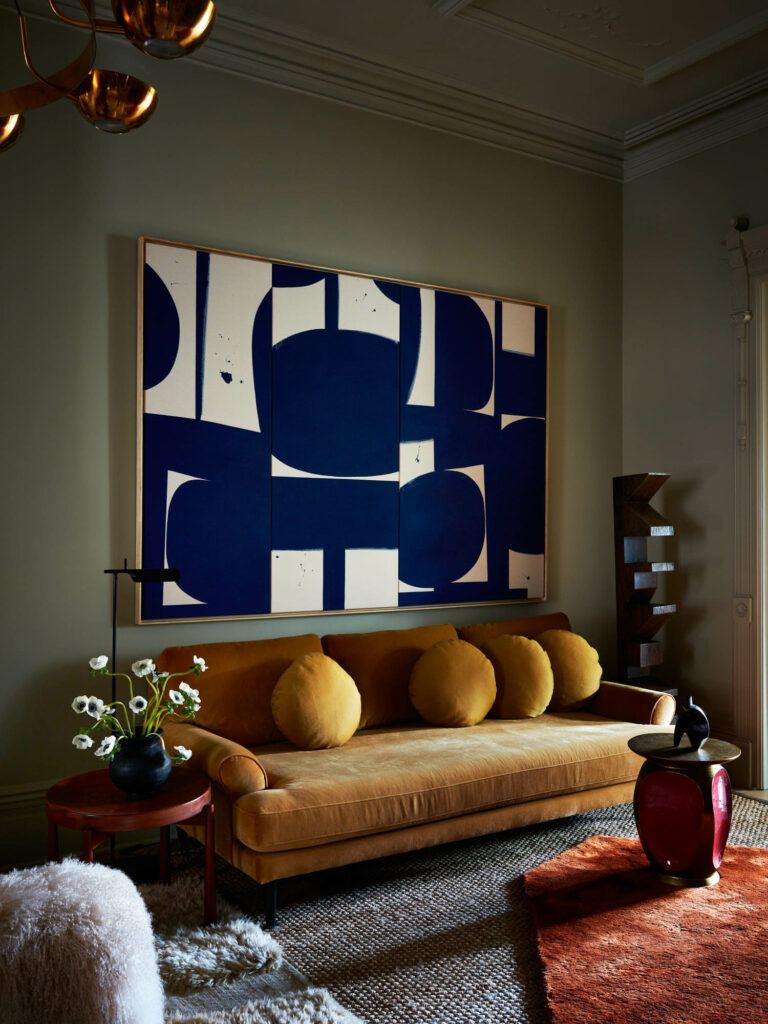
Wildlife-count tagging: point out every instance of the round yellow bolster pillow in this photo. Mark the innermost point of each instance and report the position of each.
(575, 666)
(524, 680)
(453, 684)
(315, 703)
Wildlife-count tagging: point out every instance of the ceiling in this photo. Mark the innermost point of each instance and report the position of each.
(617, 89)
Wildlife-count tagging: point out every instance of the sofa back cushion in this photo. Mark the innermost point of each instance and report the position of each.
(237, 688)
(381, 664)
(480, 634)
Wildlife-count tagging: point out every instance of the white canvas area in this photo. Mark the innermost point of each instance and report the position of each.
(488, 306)
(297, 581)
(479, 571)
(370, 578)
(236, 289)
(526, 571)
(363, 307)
(423, 385)
(173, 594)
(296, 310)
(177, 269)
(416, 459)
(518, 328)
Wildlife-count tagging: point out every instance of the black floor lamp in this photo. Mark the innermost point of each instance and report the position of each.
(138, 576)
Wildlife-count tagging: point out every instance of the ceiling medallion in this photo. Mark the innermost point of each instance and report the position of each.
(111, 101)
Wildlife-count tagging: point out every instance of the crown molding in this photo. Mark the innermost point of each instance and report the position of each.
(695, 127)
(267, 54)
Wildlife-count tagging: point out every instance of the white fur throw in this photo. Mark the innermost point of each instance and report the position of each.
(76, 948)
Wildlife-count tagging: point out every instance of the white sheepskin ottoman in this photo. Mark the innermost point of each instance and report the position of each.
(76, 948)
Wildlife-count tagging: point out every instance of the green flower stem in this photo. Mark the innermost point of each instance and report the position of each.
(158, 706)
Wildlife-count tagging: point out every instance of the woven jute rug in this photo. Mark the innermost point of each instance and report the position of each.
(444, 935)
(619, 946)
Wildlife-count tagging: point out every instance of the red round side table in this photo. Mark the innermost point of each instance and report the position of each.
(92, 804)
(683, 807)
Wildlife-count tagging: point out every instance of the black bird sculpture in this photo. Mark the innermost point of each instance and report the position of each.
(693, 723)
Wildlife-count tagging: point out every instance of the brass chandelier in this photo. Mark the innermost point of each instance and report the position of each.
(110, 100)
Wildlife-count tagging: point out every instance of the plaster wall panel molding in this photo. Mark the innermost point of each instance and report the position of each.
(450, 6)
(690, 55)
(556, 44)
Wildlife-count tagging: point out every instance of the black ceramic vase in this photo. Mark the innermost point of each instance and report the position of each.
(140, 765)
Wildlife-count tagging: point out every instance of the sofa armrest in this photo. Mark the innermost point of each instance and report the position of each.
(231, 766)
(633, 704)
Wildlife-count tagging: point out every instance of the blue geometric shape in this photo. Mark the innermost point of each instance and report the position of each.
(161, 329)
(410, 339)
(521, 380)
(219, 529)
(294, 277)
(317, 514)
(389, 289)
(203, 274)
(332, 516)
(515, 491)
(334, 396)
(463, 353)
(442, 528)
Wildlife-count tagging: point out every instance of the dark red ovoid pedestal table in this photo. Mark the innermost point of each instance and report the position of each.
(92, 804)
(683, 807)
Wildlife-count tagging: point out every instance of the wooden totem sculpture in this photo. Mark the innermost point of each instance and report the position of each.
(638, 619)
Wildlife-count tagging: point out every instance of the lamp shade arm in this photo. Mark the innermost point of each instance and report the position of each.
(54, 87)
(97, 23)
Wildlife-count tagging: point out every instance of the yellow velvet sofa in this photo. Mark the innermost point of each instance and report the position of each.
(399, 783)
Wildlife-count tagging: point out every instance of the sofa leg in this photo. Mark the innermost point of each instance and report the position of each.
(269, 893)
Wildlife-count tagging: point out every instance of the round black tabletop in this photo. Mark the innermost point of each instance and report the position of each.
(659, 747)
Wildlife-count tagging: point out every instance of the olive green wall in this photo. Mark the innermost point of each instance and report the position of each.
(237, 165)
(679, 389)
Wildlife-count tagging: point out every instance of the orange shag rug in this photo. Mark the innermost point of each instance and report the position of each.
(619, 947)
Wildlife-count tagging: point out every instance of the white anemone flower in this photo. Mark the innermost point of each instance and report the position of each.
(106, 747)
(138, 704)
(143, 667)
(200, 662)
(81, 741)
(176, 697)
(97, 664)
(95, 707)
(80, 704)
(186, 688)
(183, 752)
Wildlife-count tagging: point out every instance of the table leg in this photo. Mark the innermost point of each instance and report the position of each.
(89, 844)
(53, 841)
(165, 854)
(209, 902)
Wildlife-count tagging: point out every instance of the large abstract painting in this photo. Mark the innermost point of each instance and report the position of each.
(320, 441)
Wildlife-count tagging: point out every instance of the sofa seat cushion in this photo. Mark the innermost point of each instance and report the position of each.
(390, 778)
